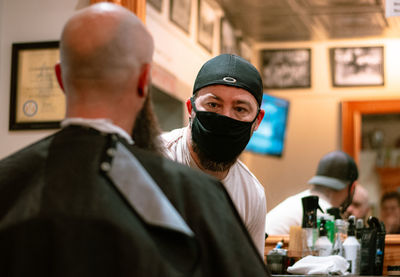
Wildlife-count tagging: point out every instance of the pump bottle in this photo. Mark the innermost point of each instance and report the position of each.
(351, 248)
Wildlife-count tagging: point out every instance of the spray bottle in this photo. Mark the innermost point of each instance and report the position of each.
(309, 224)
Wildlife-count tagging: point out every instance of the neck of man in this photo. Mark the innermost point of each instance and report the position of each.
(322, 193)
(220, 175)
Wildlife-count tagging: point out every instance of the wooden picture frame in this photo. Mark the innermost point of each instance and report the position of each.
(245, 50)
(156, 4)
(229, 42)
(205, 26)
(180, 13)
(36, 100)
(357, 66)
(286, 68)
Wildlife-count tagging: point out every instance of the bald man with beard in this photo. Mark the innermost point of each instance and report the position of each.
(89, 200)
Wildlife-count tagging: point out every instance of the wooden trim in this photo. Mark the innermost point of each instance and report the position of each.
(352, 112)
(392, 249)
(138, 7)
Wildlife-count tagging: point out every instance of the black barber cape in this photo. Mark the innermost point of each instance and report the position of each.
(62, 214)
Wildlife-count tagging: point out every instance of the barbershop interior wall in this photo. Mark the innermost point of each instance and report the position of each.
(25, 21)
(314, 126)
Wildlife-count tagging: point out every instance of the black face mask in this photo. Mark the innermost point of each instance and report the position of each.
(219, 137)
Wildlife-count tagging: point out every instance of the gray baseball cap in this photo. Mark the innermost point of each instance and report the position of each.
(336, 170)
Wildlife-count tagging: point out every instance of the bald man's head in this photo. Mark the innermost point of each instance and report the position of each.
(360, 205)
(103, 46)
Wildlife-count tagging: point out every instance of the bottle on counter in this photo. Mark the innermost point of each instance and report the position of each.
(323, 245)
(340, 236)
(359, 229)
(309, 224)
(277, 259)
(329, 225)
(351, 248)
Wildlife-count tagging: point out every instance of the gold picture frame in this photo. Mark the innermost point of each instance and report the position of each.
(36, 100)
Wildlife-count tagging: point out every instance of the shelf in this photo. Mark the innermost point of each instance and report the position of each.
(389, 177)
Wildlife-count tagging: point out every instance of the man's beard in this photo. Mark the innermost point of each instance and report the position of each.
(146, 132)
(208, 164)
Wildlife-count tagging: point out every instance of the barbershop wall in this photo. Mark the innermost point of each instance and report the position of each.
(314, 126)
(25, 21)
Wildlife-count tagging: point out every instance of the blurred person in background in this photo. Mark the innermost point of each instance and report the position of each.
(390, 212)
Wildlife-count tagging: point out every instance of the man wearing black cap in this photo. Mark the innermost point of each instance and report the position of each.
(333, 183)
(224, 112)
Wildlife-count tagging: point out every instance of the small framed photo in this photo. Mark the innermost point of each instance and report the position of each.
(357, 66)
(206, 21)
(157, 4)
(245, 50)
(180, 12)
(286, 68)
(36, 100)
(229, 43)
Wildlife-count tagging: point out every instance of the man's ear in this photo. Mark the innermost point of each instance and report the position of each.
(57, 69)
(189, 106)
(260, 117)
(144, 80)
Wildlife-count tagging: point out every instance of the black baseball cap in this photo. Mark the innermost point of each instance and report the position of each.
(230, 70)
(336, 170)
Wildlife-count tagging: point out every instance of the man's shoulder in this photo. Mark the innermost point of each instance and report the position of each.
(31, 153)
(240, 171)
(290, 203)
(173, 136)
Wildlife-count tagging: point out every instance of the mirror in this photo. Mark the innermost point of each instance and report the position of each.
(371, 134)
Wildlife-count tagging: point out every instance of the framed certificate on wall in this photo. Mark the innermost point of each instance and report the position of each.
(36, 100)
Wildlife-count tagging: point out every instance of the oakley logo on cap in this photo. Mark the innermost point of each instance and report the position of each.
(229, 79)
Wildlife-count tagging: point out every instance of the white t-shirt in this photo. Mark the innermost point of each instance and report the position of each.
(243, 187)
(289, 213)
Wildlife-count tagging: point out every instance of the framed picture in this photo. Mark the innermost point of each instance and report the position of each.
(179, 13)
(206, 21)
(286, 68)
(357, 66)
(157, 4)
(245, 50)
(228, 38)
(36, 100)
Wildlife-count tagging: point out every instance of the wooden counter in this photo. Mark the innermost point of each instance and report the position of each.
(392, 249)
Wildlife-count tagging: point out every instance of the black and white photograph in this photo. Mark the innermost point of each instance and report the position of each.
(357, 66)
(157, 4)
(180, 11)
(286, 68)
(206, 21)
(228, 38)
